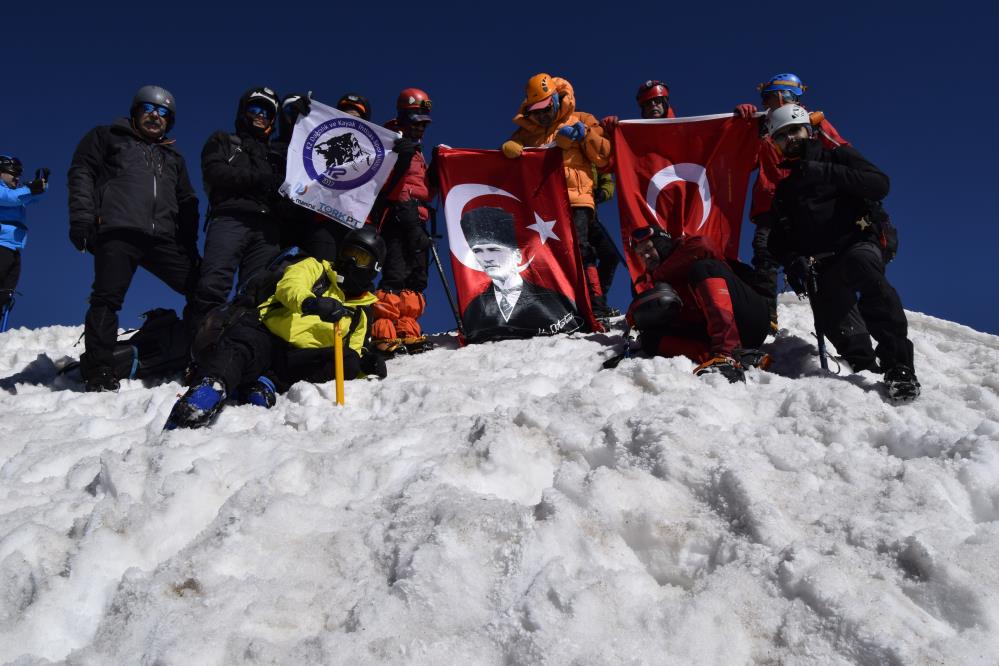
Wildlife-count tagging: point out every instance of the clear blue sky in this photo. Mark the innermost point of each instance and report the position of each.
(912, 88)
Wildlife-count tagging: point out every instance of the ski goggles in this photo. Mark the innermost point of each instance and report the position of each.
(360, 257)
(161, 111)
(257, 110)
(642, 234)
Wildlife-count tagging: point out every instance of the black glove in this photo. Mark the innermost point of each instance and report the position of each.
(295, 105)
(601, 195)
(797, 274)
(37, 186)
(372, 363)
(404, 146)
(329, 309)
(42, 174)
(83, 236)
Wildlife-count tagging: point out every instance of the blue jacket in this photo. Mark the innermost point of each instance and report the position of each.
(13, 230)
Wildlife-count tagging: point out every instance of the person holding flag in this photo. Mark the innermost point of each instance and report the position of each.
(778, 90)
(548, 116)
(400, 214)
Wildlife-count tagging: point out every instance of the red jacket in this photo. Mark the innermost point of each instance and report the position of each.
(770, 174)
(676, 268)
(414, 184)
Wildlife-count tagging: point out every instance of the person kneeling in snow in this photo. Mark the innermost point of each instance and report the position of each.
(289, 338)
(693, 302)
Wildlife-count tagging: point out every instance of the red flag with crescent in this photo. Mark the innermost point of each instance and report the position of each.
(686, 175)
(516, 265)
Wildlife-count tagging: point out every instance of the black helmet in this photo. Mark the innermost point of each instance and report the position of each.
(357, 102)
(360, 259)
(160, 97)
(661, 240)
(262, 96)
(12, 165)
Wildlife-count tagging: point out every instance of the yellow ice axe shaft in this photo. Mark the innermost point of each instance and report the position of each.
(338, 362)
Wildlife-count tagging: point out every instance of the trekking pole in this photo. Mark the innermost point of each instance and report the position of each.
(338, 362)
(617, 251)
(811, 289)
(8, 306)
(440, 269)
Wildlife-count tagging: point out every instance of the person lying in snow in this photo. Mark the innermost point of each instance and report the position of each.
(290, 336)
(693, 302)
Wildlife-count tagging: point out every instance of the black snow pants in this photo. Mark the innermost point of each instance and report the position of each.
(247, 243)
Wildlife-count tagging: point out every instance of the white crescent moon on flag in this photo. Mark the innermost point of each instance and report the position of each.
(685, 171)
(457, 199)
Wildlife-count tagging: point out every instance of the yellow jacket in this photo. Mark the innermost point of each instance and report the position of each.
(578, 157)
(282, 312)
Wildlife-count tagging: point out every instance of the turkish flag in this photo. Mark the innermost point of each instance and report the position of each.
(686, 175)
(516, 266)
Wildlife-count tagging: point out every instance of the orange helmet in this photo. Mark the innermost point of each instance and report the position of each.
(540, 88)
(414, 105)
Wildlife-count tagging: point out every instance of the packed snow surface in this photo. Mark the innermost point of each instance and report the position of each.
(510, 503)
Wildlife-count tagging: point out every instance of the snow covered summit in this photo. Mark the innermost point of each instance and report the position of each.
(509, 503)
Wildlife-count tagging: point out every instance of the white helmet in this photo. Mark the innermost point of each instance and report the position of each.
(787, 114)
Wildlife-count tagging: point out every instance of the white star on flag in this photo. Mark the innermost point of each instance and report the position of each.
(544, 229)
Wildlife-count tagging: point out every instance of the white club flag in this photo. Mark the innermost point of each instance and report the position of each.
(337, 164)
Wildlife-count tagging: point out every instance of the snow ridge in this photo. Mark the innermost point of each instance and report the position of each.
(510, 503)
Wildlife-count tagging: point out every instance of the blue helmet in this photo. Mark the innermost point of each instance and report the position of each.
(785, 81)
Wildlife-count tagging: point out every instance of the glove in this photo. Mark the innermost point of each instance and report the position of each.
(328, 309)
(372, 363)
(797, 273)
(574, 132)
(512, 149)
(404, 146)
(42, 174)
(37, 186)
(601, 195)
(745, 111)
(83, 237)
(296, 105)
(609, 123)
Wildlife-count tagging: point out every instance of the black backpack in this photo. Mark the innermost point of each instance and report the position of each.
(885, 233)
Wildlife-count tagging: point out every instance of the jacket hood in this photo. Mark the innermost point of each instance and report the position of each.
(567, 105)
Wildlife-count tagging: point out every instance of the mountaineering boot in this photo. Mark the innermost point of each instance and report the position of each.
(261, 393)
(102, 379)
(723, 365)
(199, 406)
(753, 358)
(901, 384)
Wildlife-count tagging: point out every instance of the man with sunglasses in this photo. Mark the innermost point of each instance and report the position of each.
(694, 302)
(289, 337)
(242, 174)
(131, 204)
(14, 197)
(548, 116)
(825, 233)
(778, 90)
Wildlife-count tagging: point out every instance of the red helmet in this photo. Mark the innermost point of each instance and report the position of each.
(650, 90)
(414, 104)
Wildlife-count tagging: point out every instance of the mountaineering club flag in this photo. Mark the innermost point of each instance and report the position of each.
(513, 246)
(686, 175)
(337, 164)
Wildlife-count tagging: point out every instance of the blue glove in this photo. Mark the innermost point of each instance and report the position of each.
(574, 132)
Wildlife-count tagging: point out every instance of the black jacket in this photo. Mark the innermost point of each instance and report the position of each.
(120, 180)
(820, 206)
(241, 174)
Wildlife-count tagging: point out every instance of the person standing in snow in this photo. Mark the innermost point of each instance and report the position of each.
(131, 204)
(694, 302)
(14, 198)
(400, 214)
(608, 256)
(827, 228)
(548, 115)
(241, 178)
(289, 337)
(778, 90)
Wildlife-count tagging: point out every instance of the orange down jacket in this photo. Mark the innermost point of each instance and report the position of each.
(581, 156)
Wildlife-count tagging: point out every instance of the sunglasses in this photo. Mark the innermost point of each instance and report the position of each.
(161, 111)
(360, 257)
(256, 110)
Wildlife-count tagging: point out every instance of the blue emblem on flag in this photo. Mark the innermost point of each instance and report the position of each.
(342, 153)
